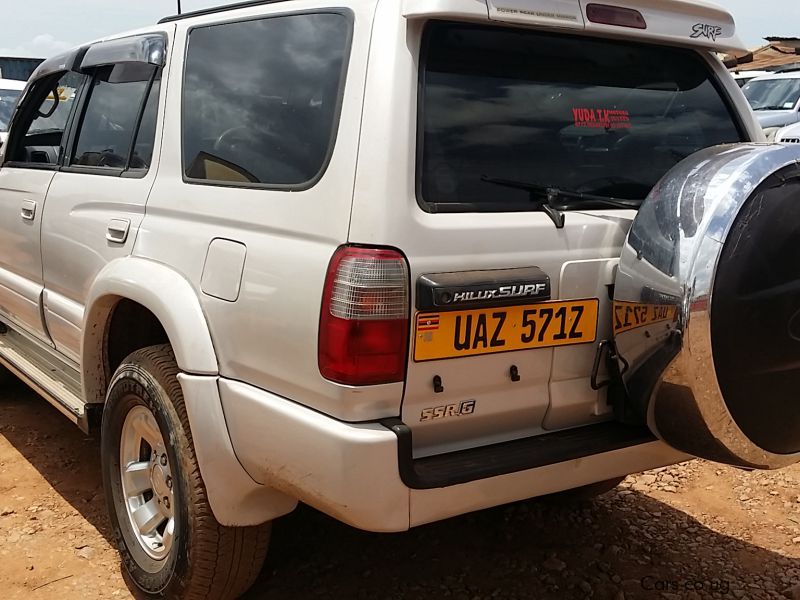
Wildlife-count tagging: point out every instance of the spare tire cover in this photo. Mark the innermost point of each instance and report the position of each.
(707, 306)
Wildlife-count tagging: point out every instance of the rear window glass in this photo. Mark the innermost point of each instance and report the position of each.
(261, 99)
(600, 117)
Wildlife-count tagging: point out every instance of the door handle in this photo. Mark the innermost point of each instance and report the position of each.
(117, 231)
(28, 210)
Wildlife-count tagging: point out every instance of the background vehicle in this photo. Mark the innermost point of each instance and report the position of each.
(745, 77)
(270, 274)
(789, 134)
(10, 89)
(775, 100)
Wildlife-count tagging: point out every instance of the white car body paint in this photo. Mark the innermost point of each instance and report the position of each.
(276, 431)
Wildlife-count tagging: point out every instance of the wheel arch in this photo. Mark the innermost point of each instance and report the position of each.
(165, 308)
(158, 291)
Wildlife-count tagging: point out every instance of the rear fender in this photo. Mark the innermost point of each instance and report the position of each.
(165, 293)
(235, 498)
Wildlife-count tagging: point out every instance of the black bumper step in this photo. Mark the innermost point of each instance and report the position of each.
(473, 464)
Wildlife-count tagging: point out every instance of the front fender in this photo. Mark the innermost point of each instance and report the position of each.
(165, 293)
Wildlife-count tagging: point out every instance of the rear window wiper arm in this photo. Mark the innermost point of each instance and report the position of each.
(553, 203)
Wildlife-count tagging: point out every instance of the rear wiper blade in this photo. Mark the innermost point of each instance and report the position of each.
(771, 108)
(555, 199)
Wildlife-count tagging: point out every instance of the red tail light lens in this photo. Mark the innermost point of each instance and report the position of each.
(615, 15)
(363, 329)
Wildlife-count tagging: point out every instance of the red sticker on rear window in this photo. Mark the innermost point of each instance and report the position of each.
(602, 118)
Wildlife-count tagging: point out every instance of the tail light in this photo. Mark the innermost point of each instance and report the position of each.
(363, 330)
(615, 15)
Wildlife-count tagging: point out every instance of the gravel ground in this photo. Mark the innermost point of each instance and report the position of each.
(692, 531)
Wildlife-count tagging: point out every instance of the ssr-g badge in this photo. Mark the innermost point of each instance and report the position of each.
(448, 410)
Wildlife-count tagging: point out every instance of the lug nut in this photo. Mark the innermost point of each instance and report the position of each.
(169, 482)
(166, 501)
(163, 460)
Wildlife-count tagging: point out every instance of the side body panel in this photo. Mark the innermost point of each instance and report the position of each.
(265, 332)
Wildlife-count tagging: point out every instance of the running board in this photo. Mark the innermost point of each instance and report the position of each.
(509, 457)
(56, 380)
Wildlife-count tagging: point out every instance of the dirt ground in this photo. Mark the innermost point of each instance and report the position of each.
(693, 531)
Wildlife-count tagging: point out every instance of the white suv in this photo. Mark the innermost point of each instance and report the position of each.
(366, 256)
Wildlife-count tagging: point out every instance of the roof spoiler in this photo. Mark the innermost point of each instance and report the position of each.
(679, 22)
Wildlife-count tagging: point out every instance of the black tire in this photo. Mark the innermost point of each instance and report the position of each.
(585, 493)
(206, 560)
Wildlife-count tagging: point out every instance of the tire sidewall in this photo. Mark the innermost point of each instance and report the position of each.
(134, 386)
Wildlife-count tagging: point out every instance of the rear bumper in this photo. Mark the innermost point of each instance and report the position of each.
(352, 472)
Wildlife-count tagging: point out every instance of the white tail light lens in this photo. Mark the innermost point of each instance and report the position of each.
(370, 284)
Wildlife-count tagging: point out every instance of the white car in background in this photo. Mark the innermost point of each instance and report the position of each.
(745, 77)
(775, 100)
(788, 135)
(10, 90)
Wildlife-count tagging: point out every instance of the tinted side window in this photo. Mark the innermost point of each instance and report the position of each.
(261, 98)
(112, 112)
(44, 126)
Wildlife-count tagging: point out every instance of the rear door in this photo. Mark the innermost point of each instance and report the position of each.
(97, 200)
(31, 161)
(529, 147)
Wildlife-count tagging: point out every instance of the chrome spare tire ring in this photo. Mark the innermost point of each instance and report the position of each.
(148, 489)
(715, 367)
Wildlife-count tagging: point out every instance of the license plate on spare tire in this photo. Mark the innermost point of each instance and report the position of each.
(493, 330)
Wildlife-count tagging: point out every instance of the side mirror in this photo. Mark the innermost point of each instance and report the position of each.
(54, 96)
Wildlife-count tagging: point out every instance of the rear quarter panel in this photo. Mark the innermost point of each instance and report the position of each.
(267, 334)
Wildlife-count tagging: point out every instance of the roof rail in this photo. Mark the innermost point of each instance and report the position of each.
(217, 9)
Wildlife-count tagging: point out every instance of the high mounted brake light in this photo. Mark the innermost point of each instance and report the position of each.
(363, 329)
(606, 14)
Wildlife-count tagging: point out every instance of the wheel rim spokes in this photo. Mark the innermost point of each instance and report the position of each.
(147, 484)
(136, 477)
(147, 517)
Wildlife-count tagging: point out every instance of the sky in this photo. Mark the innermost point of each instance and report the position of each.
(41, 28)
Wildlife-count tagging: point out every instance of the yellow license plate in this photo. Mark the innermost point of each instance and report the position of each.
(632, 315)
(492, 330)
